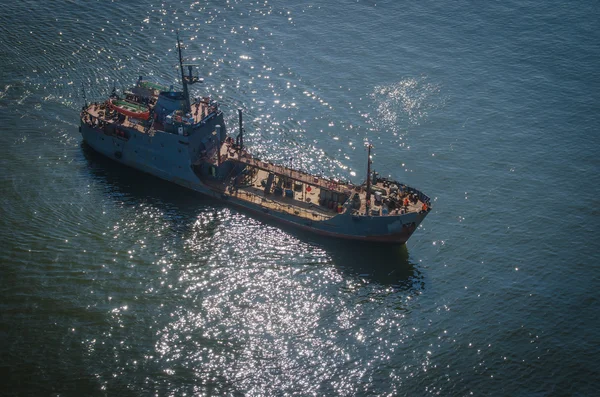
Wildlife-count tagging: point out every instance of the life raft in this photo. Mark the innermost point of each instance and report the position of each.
(129, 109)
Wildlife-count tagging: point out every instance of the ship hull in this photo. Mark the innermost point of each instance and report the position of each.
(380, 229)
(332, 229)
(164, 156)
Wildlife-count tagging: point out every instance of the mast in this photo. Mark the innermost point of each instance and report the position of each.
(369, 146)
(188, 107)
(186, 80)
(240, 137)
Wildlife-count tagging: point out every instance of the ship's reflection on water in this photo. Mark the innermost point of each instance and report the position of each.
(381, 263)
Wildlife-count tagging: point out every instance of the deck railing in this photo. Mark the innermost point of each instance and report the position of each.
(301, 176)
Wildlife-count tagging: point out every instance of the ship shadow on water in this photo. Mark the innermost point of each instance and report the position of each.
(385, 264)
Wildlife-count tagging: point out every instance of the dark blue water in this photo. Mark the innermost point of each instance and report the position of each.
(116, 283)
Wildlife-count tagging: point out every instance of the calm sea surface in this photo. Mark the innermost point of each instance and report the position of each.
(113, 282)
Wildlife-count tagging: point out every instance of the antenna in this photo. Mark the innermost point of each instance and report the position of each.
(369, 146)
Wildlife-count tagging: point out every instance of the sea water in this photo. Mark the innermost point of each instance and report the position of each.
(114, 282)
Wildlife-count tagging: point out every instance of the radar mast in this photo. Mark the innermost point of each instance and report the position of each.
(185, 80)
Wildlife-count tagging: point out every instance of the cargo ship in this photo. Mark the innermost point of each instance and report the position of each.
(165, 133)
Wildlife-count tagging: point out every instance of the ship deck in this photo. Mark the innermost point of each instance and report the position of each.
(99, 114)
(229, 153)
(305, 203)
(294, 206)
(96, 115)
